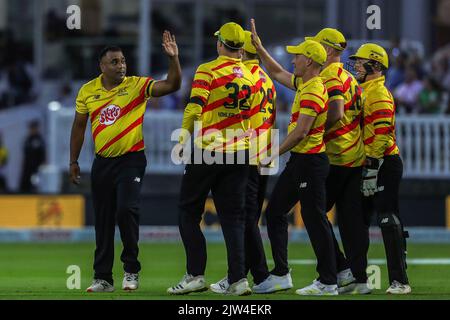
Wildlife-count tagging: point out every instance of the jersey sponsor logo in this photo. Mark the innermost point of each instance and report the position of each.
(109, 115)
(262, 76)
(238, 72)
(122, 92)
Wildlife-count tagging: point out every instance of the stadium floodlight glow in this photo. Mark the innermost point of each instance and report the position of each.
(54, 106)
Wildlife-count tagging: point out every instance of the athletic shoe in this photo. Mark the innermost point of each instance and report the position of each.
(318, 289)
(189, 284)
(274, 284)
(344, 278)
(130, 281)
(100, 286)
(398, 288)
(240, 288)
(221, 286)
(355, 288)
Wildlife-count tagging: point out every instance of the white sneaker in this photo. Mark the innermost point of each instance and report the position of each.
(130, 281)
(188, 284)
(318, 289)
(355, 288)
(100, 286)
(221, 286)
(240, 288)
(344, 278)
(274, 284)
(398, 288)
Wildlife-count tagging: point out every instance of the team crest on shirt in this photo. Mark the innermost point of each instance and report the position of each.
(109, 115)
(238, 72)
(262, 76)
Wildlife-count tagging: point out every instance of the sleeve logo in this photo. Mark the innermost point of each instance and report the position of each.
(109, 115)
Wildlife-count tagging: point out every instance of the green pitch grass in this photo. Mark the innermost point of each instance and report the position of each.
(38, 271)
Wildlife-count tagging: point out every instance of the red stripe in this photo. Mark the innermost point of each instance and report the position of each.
(137, 147)
(135, 124)
(390, 149)
(219, 103)
(380, 101)
(320, 129)
(384, 130)
(222, 81)
(231, 121)
(340, 88)
(224, 65)
(377, 115)
(311, 105)
(294, 117)
(316, 149)
(268, 147)
(347, 84)
(97, 111)
(348, 165)
(254, 69)
(369, 140)
(312, 94)
(351, 147)
(133, 104)
(332, 79)
(340, 72)
(200, 86)
(208, 74)
(343, 130)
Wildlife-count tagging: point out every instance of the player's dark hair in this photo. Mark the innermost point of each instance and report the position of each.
(107, 49)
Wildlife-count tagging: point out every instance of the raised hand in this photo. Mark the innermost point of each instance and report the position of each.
(169, 44)
(256, 41)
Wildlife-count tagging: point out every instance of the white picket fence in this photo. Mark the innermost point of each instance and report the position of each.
(424, 142)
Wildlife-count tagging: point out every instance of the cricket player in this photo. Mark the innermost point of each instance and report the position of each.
(262, 123)
(304, 177)
(345, 150)
(116, 105)
(383, 169)
(223, 99)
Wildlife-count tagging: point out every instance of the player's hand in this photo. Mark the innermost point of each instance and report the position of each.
(75, 176)
(370, 177)
(256, 41)
(170, 44)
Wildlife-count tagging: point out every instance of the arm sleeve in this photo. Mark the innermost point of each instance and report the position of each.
(81, 106)
(310, 103)
(198, 99)
(335, 89)
(382, 117)
(149, 82)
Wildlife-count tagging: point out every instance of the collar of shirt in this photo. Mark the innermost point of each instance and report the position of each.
(251, 62)
(310, 81)
(378, 82)
(99, 85)
(334, 65)
(226, 58)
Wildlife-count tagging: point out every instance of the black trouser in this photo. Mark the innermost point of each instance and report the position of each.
(255, 258)
(303, 179)
(385, 204)
(116, 186)
(344, 191)
(228, 185)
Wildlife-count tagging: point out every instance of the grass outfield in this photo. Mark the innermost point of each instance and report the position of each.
(38, 271)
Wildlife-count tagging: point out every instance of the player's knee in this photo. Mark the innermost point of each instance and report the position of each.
(388, 220)
(124, 211)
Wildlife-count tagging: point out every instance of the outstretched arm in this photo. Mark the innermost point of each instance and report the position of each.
(76, 143)
(275, 70)
(173, 81)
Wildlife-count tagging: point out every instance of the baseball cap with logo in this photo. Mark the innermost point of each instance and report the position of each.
(231, 35)
(311, 49)
(330, 37)
(248, 45)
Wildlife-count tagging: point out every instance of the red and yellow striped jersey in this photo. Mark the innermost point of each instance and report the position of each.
(344, 140)
(379, 120)
(311, 100)
(223, 98)
(116, 115)
(263, 121)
